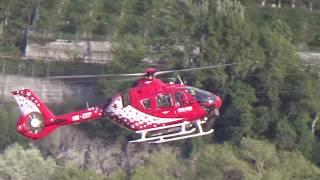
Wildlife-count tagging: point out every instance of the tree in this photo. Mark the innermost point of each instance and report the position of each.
(8, 134)
(230, 38)
(220, 162)
(80, 17)
(252, 159)
(72, 173)
(15, 19)
(160, 165)
(107, 15)
(52, 16)
(16, 15)
(263, 155)
(118, 175)
(22, 164)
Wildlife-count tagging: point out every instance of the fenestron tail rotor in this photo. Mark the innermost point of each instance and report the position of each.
(35, 122)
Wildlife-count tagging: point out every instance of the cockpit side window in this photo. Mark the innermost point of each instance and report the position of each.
(201, 95)
(164, 100)
(146, 103)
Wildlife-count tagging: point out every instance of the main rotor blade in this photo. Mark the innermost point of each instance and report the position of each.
(96, 76)
(193, 69)
(137, 74)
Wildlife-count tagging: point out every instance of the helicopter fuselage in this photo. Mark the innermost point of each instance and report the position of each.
(152, 103)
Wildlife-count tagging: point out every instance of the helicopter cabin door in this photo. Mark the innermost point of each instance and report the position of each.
(164, 105)
(184, 106)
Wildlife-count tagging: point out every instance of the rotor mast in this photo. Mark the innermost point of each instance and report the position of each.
(150, 73)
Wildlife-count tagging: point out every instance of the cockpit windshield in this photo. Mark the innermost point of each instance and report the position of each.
(201, 95)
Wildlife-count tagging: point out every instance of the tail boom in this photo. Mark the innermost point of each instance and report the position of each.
(37, 121)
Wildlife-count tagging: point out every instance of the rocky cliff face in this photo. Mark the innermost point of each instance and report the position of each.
(70, 144)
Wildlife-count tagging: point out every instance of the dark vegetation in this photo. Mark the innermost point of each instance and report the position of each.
(271, 98)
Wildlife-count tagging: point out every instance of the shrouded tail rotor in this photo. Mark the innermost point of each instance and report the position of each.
(35, 122)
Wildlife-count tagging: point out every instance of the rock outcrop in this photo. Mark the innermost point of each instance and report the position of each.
(72, 145)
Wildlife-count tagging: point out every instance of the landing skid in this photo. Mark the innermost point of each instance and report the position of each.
(182, 134)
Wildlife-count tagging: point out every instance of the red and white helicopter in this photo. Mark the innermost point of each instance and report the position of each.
(157, 111)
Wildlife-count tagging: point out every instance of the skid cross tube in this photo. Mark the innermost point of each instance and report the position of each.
(182, 134)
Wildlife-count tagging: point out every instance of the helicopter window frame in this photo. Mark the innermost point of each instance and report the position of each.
(125, 98)
(180, 98)
(146, 103)
(201, 95)
(164, 100)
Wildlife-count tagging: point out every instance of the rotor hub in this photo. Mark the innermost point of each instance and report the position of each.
(35, 122)
(150, 73)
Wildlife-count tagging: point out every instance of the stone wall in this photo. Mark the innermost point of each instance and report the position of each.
(51, 91)
(48, 91)
(309, 57)
(86, 51)
(309, 4)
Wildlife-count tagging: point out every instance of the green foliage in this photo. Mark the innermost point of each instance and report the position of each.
(285, 136)
(220, 162)
(22, 164)
(8, 48)
(266, 83)
(51, 15)
(16, 15)
(118, 175)
(303, 23)
(8, 134)
(128, 53)
(69, 172)
(297, 167)
(150, 19)
(240, 110)
(253, 159)
(15, 18)
(160, 165)
(261, 153)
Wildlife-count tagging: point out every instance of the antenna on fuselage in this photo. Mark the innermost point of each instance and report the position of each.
(180, 80)
(87, 104)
